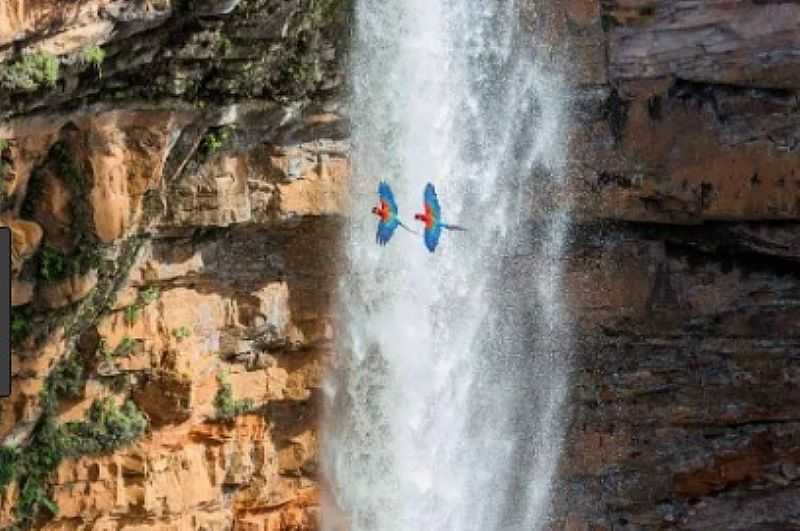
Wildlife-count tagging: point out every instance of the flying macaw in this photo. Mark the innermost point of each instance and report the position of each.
(433, 219)
(387, 212)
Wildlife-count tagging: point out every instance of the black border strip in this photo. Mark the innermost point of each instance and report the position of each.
(5, 312)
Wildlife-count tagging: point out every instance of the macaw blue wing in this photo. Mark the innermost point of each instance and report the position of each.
(433, 202)
(385, 193)
(432, 236)
(386, 230)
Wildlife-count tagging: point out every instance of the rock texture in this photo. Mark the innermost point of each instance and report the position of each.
(173, 173)
(683, 270)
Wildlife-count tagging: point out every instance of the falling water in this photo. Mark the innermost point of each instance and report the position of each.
(446, 400)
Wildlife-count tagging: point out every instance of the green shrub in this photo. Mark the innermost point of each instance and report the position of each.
(94, 57)
(20, 324)
(181, 333)
(3, 165)
(47, 447)
(149, 295)
(134, 311)
(107, 427)
(132, 314)
(224, 45)
(65, 381)
(226, 405)
(67, 168)
(33, 497)
(8, 464)
(52, 264)
(125, 347)
(215, 140)
(32, 72)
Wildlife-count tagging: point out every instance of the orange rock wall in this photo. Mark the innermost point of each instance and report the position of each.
(212, 146)
(216, 217)
(684, 267)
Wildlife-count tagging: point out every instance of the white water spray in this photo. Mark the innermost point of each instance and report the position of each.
(446, 401)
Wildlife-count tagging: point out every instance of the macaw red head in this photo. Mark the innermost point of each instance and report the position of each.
(376, 211)
(426, 217)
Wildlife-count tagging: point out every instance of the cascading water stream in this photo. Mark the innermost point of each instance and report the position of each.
(446, 402)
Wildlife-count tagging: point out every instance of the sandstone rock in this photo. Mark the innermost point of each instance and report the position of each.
(20, 19)
(68, 291)
(169, 262)
(316, 187)
(299, 454)
(76, 410)
(677, 162)
(124, 298)
(125, 153)
(53, 212)
(670, 364)
(136, 159)
(725, 42)
(21, 292)
(25, 239)
(217, 195)
(165, 397)
(263, 185)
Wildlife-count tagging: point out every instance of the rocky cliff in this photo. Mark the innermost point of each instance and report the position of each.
(683, 271)
(174, 175)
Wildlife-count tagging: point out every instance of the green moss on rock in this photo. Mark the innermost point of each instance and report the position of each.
(226, 405)
(32, 72)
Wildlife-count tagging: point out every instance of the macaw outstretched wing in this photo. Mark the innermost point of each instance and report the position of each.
(386, 195)
(432, 236)
(432, 202)
(386, 230)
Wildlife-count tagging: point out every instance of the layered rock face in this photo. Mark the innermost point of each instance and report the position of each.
(174, 176)
(683, 273)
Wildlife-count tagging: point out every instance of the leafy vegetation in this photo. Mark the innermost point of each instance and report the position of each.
(215, 140)
(181, 333)
(32, 72)
(52, 264)
(20, 324)
(106, 428)
(34, 465)
(224, 45)
(4, 164)
(8, 464)
(125, 347)
(65, 382)
(149, 295)
(145, 297)
(94, 57)
(227, 407)
(132, 314)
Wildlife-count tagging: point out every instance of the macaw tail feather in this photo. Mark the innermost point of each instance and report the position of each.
(454, 227)
(409, 230)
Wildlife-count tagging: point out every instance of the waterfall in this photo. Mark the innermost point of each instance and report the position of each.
(445, 401)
